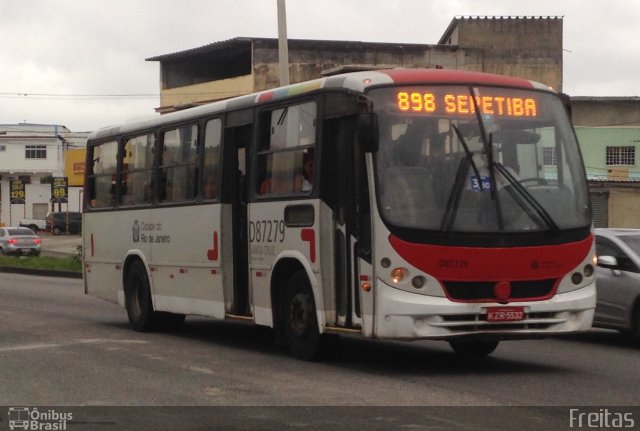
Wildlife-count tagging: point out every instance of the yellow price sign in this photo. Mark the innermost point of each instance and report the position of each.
(59, 190)
(17, 192)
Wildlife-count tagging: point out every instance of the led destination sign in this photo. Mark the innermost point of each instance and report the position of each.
(463, 104)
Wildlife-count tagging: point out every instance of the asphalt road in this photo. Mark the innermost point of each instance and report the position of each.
(61, 348)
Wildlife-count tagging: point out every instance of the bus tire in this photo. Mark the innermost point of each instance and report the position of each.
(138, 298)
(474, 348)
(300, 319)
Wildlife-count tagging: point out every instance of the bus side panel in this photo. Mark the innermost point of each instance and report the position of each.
(101, 280)
(108, 237)
(270, 236)
(326, 248)
(185, 261)
(225, 251)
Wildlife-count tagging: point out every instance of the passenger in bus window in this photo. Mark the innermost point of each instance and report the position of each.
(308, 171)
(210, 186)
(127, 195)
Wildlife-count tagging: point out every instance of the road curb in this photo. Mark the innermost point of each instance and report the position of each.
(41, 272)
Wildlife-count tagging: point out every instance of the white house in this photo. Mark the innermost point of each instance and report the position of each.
(32, 155)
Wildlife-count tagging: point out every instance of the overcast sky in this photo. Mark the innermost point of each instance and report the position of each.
(81, 63)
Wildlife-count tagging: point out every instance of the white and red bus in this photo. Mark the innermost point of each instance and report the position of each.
(397, 204)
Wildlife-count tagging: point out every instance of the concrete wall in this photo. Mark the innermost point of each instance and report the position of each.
(309, 59)
(624, 207)
(214, 90)
(606, 111)
(529, 48)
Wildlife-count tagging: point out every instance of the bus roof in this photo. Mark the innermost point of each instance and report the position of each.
(355, 81)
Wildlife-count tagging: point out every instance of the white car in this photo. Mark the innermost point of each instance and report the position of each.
(19, 241)
(618, 280)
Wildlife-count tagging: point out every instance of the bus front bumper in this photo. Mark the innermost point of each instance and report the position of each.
(405, 315)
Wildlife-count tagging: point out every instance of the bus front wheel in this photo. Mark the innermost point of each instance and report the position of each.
(301, 323)
(474, 349)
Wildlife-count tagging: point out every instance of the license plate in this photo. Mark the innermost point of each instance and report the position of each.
(505, 314)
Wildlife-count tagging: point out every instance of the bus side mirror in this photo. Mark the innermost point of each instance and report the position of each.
(367, 132)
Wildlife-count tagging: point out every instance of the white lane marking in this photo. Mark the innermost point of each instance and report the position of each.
(37, 346)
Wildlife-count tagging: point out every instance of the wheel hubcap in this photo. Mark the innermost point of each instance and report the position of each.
(299, 314)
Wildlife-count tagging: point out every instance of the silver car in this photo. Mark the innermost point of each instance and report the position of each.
(618, 280)
(19, 241)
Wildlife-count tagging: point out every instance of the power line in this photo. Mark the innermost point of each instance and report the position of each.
(59, 96)
(106, 96)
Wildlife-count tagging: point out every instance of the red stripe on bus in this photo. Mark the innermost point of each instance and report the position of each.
(500, 263)
(309, 235)
(265, 97)
(213, 254)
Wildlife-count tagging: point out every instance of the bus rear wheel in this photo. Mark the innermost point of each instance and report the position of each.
(474, 349)
(301, 323)
(139, 306)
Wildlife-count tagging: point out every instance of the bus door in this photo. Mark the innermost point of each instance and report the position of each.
(344, 186)
(236, 144)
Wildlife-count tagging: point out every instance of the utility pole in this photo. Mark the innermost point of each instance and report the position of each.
(283, 48)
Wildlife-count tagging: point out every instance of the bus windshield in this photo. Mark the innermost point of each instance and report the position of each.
(477, 159)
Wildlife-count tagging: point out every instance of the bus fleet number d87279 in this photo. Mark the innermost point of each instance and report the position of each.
(266, 231)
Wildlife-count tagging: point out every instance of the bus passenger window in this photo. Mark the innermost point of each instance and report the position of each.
(101, 175)
(308, 171)
(210, 186)
(137, 170)
(178, 171)
(211, 160)
(286, 164)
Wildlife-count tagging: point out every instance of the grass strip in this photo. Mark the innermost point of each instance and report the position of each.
(49, 263)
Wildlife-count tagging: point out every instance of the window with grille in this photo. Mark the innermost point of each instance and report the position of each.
(621, 156)
(35, 152)
(549, 156)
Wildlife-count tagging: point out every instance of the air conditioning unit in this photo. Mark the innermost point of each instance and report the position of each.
(3, 147)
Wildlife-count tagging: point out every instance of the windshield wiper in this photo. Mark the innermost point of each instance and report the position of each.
(528, 197)
(487, 146)
(458, 186)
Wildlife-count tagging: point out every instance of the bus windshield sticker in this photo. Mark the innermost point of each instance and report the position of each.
(483, 185)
